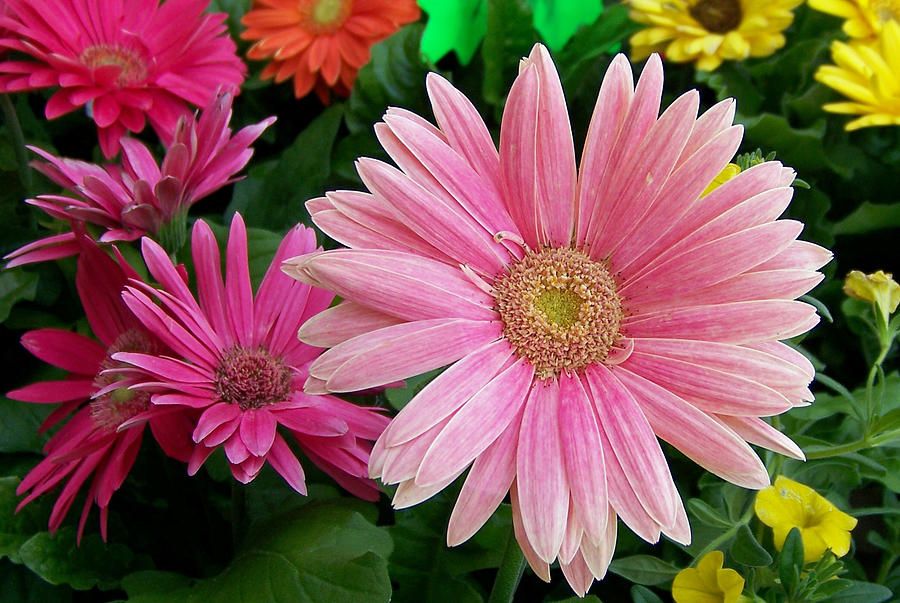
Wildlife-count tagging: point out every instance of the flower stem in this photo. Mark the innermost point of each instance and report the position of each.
(510, 572)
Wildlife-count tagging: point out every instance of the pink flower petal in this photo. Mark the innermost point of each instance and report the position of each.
(258, 430)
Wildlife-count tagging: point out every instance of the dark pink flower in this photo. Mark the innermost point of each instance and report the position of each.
(132, 61)
(100, 441)
(139, 196)
(240, 362)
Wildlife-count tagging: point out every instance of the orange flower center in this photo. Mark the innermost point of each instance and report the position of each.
(118, 405)
(132, 66)
(717, 16)
(560, 310)
(252, 378)
(886, 10)
(324, 16)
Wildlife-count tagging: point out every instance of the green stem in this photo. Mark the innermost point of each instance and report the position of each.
(725, 536)
(839, 450)
(510, 572)
(238, 512)
(12, 120)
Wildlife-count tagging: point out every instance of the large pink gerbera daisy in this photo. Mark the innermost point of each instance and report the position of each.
(139, 196)
(102, 438)
(130, 60)
(588, 311)
(242, 365)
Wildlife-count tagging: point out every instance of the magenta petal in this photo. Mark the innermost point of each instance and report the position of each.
(286, 464)
(69, 351)
(213, 417)
(258, 430)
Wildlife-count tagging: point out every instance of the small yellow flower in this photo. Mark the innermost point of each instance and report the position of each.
(730, 171)
(879, 288)
(863, 19)
(787, 504)
(708, 582)
(710, 31)
(869, 74)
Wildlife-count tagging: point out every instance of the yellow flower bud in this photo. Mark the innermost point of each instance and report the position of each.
(731, 170)
(788, 504)
(879, 288)
(708, 582)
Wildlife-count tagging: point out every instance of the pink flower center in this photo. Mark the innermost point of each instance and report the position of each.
(324, 16)
(560, 310)
(132, 66)
(117, 406)
(252, 378)
(717, 16)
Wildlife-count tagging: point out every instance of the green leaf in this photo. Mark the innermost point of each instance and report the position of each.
(422, 565)
(400, 396)
(644, 569)
(642, 594)
(16, 286)
(510, 35)
(299, 174)
(558, 20)
(453, 26)
(746, 550)
(790, 563)
(21, 421)
(592, 42)
(706, 514)
(17, 528)
(320, 552)
(58, 560)
(732, 80)
(800, 148)
(861, 591)
(19, 585)
(868, 217)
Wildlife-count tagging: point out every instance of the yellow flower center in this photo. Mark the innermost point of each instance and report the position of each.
(324, 16)
(117, 406)
(717, 16)
(886, 10)
(252, 378)
(560, 310)
(132, 64)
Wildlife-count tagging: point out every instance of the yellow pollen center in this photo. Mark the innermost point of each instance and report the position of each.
(717, 16)
(560, 310)
(133, 66)
(886, 10)
(324, 16)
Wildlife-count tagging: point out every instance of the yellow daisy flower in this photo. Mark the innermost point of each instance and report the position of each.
(869, 76)
(787, 504)
(710, 31)
(863, 19)
(879, 288)
(708, 582)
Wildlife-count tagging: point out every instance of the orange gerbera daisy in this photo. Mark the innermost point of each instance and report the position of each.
(321, 43)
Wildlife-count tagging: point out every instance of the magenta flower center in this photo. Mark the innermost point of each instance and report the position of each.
(324, 16)
(132, 65)
(560, 310)
(118, 405)
(717, 16)
(252, 378)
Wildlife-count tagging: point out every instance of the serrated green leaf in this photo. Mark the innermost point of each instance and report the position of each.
(320, 552)
(705, 513)
(747, 551)
(644, 569)
(800, 148)
(58, 560)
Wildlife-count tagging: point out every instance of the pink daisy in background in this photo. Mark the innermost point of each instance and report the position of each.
(586, 311)
(239, 362)
(131, 61)
(139, 196)
(100, 441)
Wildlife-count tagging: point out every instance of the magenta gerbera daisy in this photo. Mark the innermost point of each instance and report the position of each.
(139, 196)
(586, 311)
(130, 61)
(240, 363)
(100, 441)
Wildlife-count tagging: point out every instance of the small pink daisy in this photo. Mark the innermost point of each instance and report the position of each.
(239, 361)
(102, 437)
(140, 196)
(130, 61)
(585, 312)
